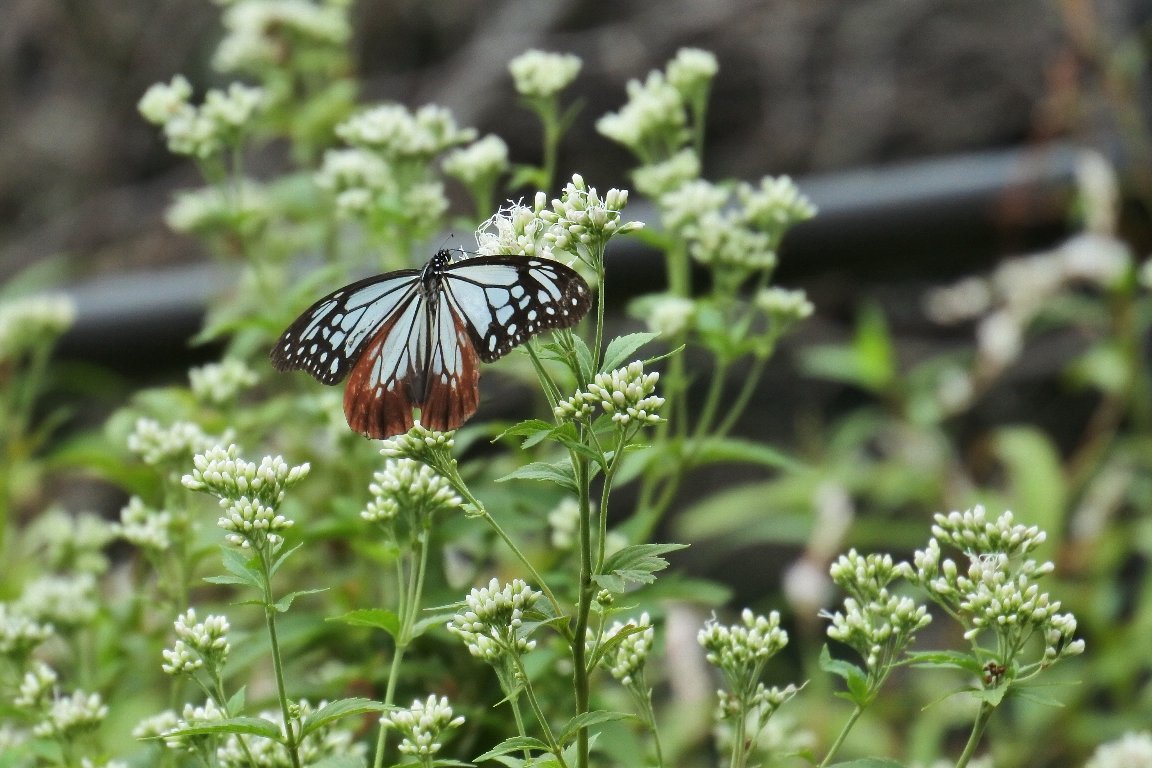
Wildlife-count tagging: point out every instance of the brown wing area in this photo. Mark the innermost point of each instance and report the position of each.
(378, 403)
(452, 383)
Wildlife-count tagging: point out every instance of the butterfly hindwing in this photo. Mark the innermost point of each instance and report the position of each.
(452, 381)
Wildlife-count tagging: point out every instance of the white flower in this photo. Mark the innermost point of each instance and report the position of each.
(669, 316)
(176, 442)
(33, 322)
(580, 218)
(968, 299)
(163, 101)
(211, 209)
(259, 32)
(692, 70)
(219, 383)
(231, 110)
(775, 204)
(628, 658)
(36, 687)
(999, 338)
(19, 634)
(538, 74)
(70, 714)
(1132, 750)
(563, 522)
(515, 230)
(662, 177)
(784, 305)
(626, 394)
(653, 115)
(491, 622)
(405, 484)
(67, 601)
(1099, 192)
(394, 131)
(144, 527)
(480, 161)
(221, 472)
(1098, 259)
(423, 725)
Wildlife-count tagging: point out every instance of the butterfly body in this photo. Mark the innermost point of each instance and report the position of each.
(414, 338)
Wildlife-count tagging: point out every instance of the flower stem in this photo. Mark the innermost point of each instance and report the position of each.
(277, 660)
(842, 735)
(584, 607)
(977, 731)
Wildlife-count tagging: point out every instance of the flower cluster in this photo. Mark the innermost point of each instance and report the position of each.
(581, 222)
(625, 394)
(219, 383)
(656, 179)
(516, 230)
(67, 601)
(782, 306)
(249, 494)
(71, 715)
(19, 634)
(423, 726)
(1132, 750)
(329, 741)
(491, 622)
(741, 652)
(653, 122)
(393, 131)
(147, 528)
(406, 485)
(479, 163)
(260, 34)
(424, 445)
(542, 75)
(626, 660)
(875, 623)
(191, 716)
(198, 644)
(996, 592)
(220, 122)
(743, 236)
(175, 443)
(37, 686)
(71, 542)
(32, 323)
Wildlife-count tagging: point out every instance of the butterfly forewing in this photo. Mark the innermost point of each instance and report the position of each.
(413, 338)
(508, 299)
(329, 336)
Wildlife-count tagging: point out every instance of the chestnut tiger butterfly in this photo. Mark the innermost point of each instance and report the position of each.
(411, 338)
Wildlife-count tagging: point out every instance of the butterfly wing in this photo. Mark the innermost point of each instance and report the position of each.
(331, 335)
(388, 379)
(505, 300)
(452, 374)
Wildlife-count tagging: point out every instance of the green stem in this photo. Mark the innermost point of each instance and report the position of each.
(550, 738)
(583, 609)
(977, 731)
(277, 660)
(843, 735)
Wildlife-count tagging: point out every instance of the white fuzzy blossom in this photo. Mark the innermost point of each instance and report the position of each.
(37, 686)
(479, 162)
(491, 620)
(19, 634)
(1132, 750)
(421, 444)
(157, 444)
(156, 725)
(211, 209)
(201, 131)
(67, 601)
(741, 652)
(191, 716)
(625, 394)
(199, 643)
(395, 131)
(874, 622)
(996, 592)
(668, 315)
(329, 741)
(423, 726)
(775, 204)
(691, 71)
(406, 485)
(163, 101)
(515, 230)
(654, 116)
(541, 75)
(581, 220)
(33, 322)
(786, 306)
(260, 32)
(219, 383)
(145, 527)
(664, 176)
(564, 522)
(221, 472)
(68, 715)
(626, 660)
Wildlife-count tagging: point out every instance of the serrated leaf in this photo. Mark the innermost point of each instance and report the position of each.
(559, 473)
(236, 564)
(947, 660)
(334, 710)
(228, 580)
(533, 431)
(377, 618)
(236, 702)
(635, 564)
(283, 604)
(283, 556)
(588, 719)
(514, 744)
(621, 348)
(583, 358)
(610, 644)
(991, 696)
(248, 726)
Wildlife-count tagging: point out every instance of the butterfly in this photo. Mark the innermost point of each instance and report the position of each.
(412, 338)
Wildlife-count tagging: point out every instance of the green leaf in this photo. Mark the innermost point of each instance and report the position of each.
(377, 618)
(854, 677)
(533, 431)
(620, 349)
(587, 719)
(283, 604)
(247, 726)
(334, 710)
(339, 761)
(869, 762)
(869, 362)
(238, 699)
(283, 557)
(514, 744)
(560, 473)
(238, 565)
(734, 449)
(1035, 476)
(610, 644)
(634, 564)
(946, 660)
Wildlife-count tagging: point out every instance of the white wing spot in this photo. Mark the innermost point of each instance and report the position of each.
(335, 365)
(511, 329)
